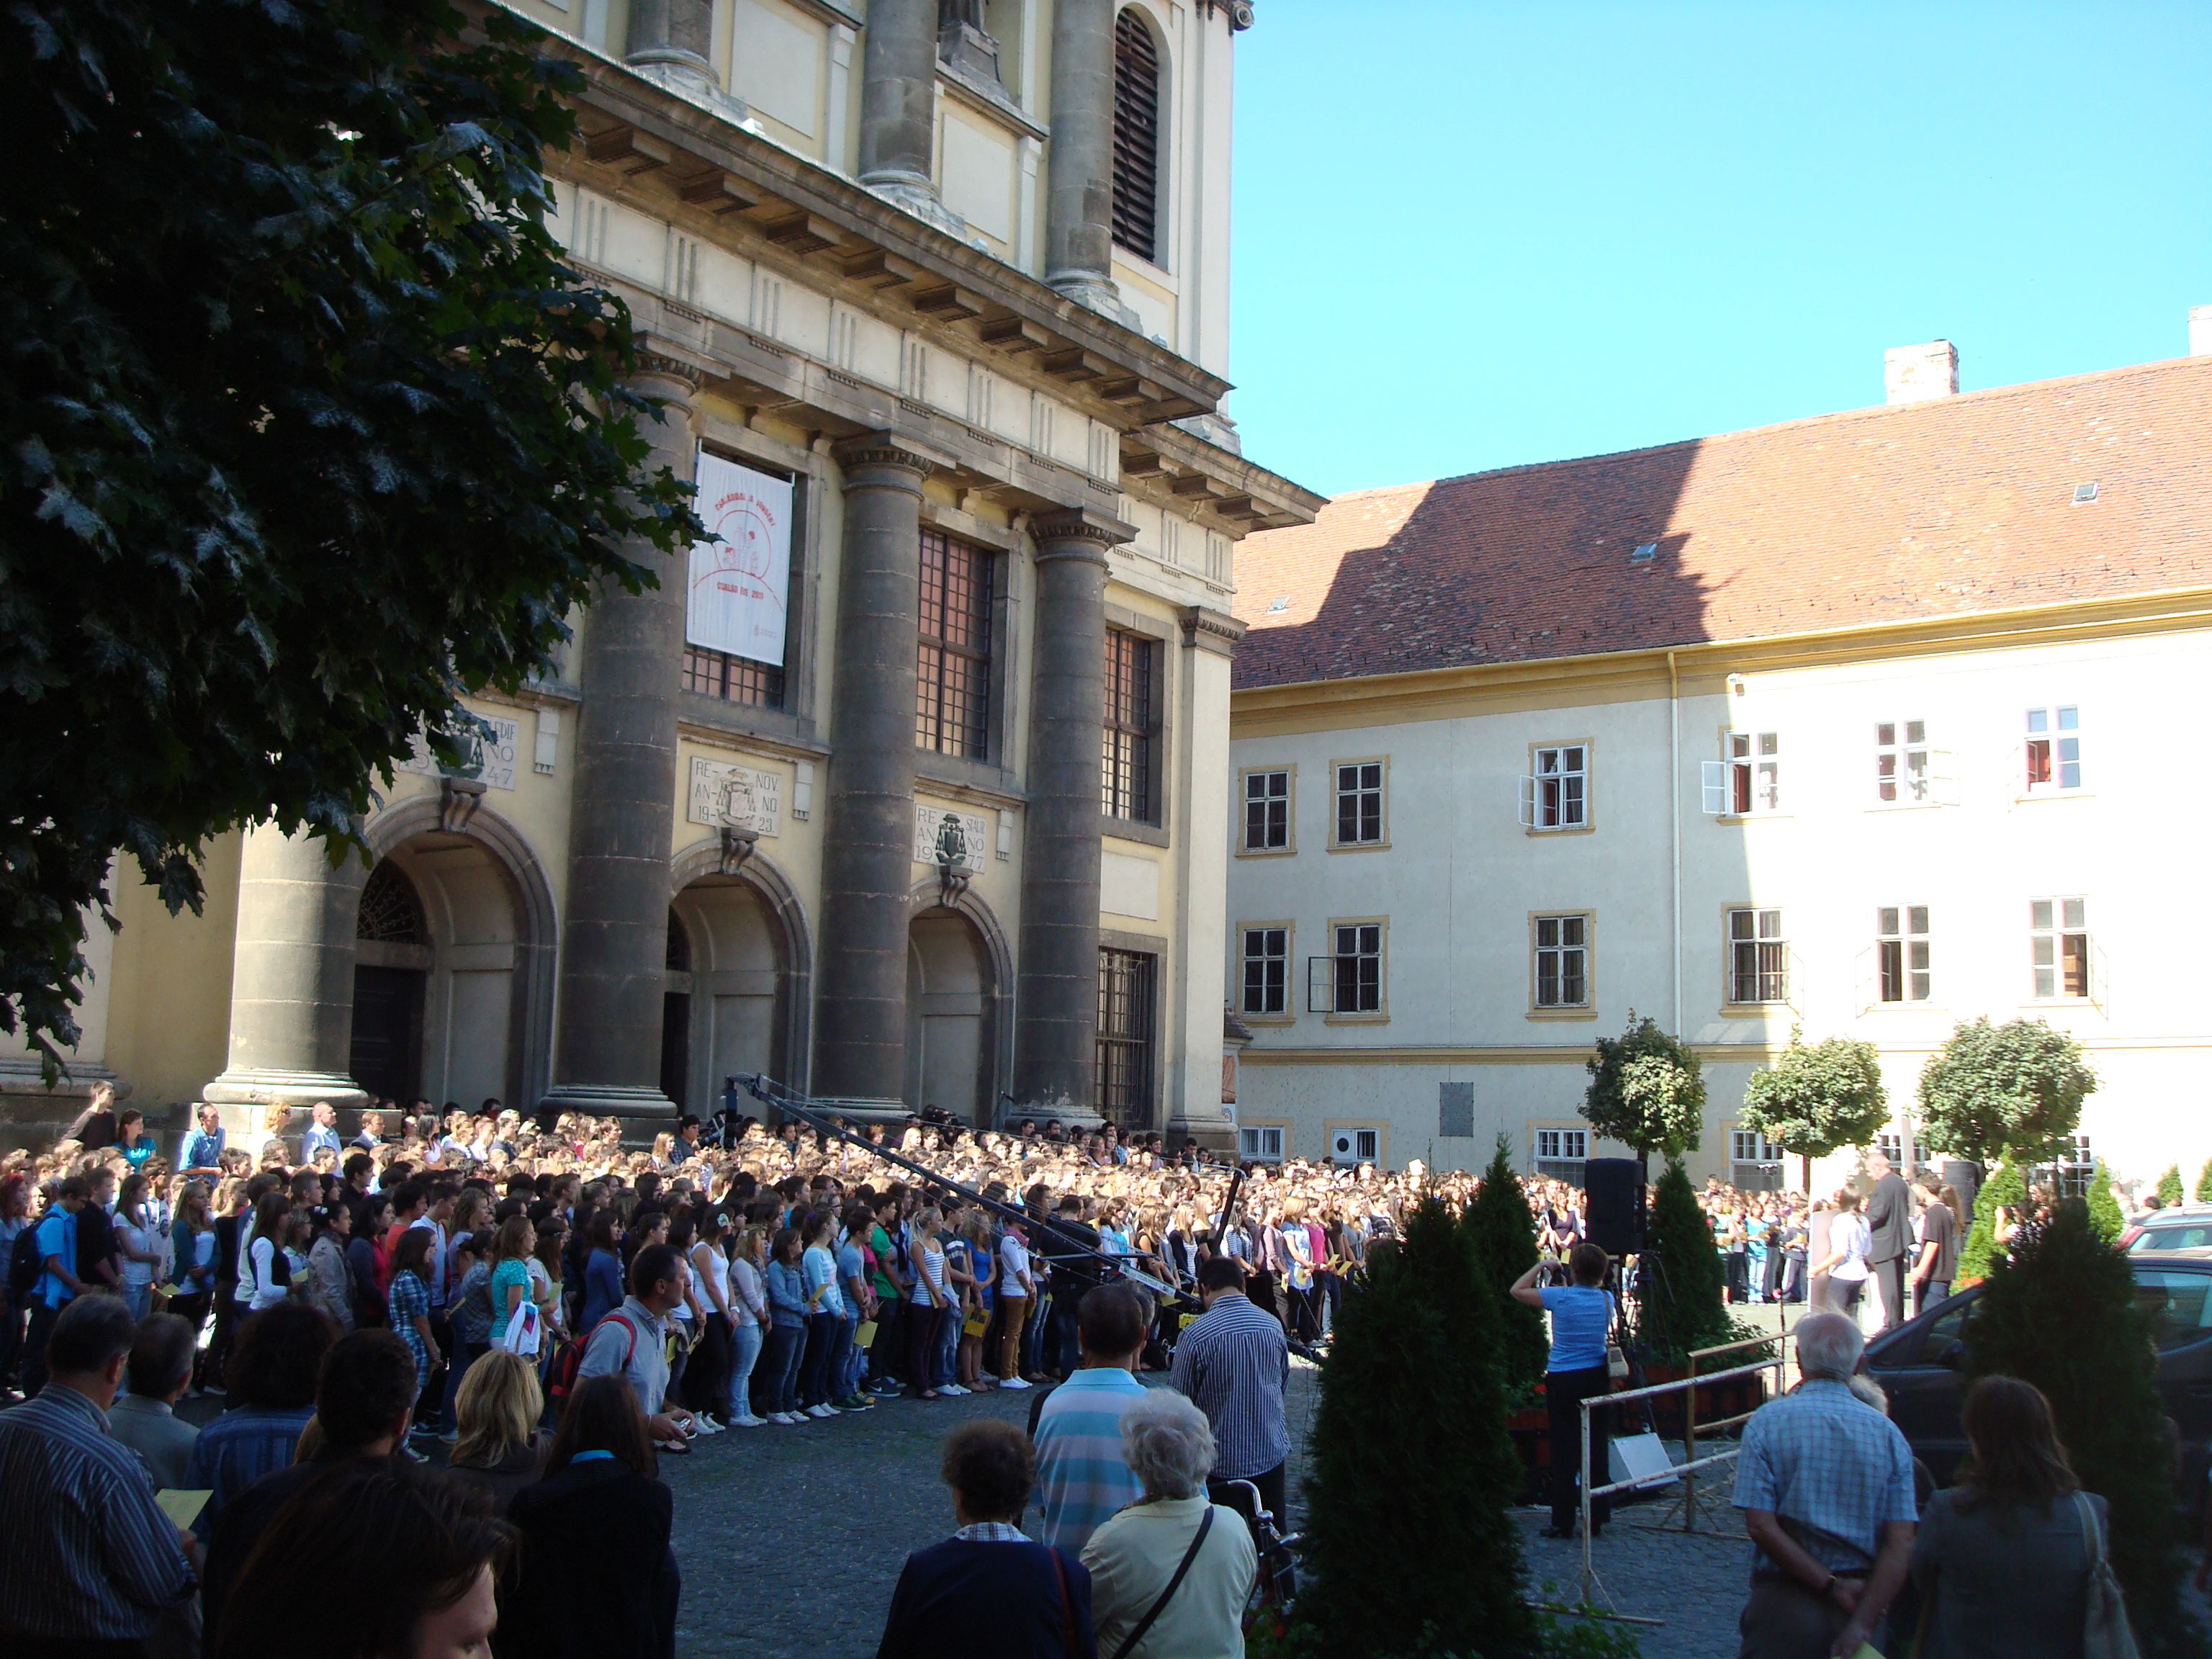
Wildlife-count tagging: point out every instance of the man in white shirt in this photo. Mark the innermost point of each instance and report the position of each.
(1017, 1295)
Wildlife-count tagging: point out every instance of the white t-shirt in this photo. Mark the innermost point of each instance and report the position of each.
(1852, 1236)
(1014, 1262)
(265, 1291)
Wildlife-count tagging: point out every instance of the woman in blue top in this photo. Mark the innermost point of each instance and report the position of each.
(603, 1270)
(1582, 1314)
(825, 1314)
(787, 1337)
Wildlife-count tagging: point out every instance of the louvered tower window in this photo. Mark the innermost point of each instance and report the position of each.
(1136, 137)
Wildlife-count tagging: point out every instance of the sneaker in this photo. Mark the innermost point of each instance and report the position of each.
(1017, 1382)
(775, 1417)
(854, 1403)
(706, 1425)
(414, 1455)
(819, 1410)
(216, 1389)
(747, 1421)
(449, 1437)
(952, 1387)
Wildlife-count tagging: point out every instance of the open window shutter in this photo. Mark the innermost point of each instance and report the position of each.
(1866, 980)
(1321, 985)
(1715, 781)
(1793, 993)
(2100, 980)
(1527, 803)
(1943, 777)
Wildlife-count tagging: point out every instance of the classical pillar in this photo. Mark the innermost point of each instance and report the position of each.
(1078, 225)
(676, 34)
(1056, 1008)
(898, 104)
(291, 977)
(614, 936)
(867, 851)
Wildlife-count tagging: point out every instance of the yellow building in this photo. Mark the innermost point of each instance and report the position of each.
(908, 792)
(1861, 724)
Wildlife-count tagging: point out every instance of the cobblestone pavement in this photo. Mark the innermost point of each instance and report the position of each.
(1692, 1583)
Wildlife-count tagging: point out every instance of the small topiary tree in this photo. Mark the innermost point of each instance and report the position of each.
(1813, 1100)
(2169, 1184)
(1647, 1089)
(2204, 1184)
(2007, 1187)
(1991, 1090)
(1681, 1279)
(1428, 1560)
(2105, 1217)
(2098, 1375)
(1503, 1232)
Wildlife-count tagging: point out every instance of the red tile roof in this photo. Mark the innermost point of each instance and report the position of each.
(1953, 506)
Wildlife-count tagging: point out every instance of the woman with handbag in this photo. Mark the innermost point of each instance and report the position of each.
(2011, 1562)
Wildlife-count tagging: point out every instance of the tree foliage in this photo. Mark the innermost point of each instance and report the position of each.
(1647, 1089)
(1427, 1559)
(2203, 1193)
(1993, 1091)
(2006, 1188)
(1814, 1100)
(1681, 1281)
(2105, 1217)
(2169, 1184)
(2062, 1278)
(1503, 1233)
(307, 428)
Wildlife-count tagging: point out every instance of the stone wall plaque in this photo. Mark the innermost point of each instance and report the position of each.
(724, 793)
(944, 835)
(491, 760)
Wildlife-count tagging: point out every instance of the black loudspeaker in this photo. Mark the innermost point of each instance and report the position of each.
(1613, 1215)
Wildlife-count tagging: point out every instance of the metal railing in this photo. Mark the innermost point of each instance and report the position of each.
(1691, 1462)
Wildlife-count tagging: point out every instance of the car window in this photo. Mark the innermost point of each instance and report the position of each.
(1947, 1328)
(2194, 1238)
(2179, 1305)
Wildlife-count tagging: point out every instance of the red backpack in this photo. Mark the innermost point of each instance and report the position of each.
(571, 1357)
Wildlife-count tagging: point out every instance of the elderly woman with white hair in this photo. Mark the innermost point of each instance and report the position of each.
(1170, 1573)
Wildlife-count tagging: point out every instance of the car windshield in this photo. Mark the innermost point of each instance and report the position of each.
(2196, 1236)
(2179, 1305)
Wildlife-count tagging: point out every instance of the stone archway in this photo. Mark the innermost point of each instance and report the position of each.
(749, 982)
(469, 976)
(959, 1028)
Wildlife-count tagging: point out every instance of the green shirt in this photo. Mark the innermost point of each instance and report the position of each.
(880, 1242)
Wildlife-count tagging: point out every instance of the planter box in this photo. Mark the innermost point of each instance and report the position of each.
(1530, 1429)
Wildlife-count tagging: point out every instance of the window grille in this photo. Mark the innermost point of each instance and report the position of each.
(1349, 981)
(953, 691)
(391, 911)
(1125, 778)
(732, 679)
(1124, 1070)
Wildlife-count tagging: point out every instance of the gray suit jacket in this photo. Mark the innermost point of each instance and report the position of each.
(164, 1441)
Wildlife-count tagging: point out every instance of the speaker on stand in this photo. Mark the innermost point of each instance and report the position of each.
(1613, 1219)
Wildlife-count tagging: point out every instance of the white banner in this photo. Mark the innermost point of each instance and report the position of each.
(493, 761)
(739, 796)
(940, 831)
(740, 584)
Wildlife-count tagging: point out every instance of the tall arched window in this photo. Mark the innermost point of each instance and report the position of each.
(391, 910)
(1136, 137)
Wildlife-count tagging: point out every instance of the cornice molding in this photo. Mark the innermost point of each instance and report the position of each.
(868, 450)
(1078, 532)
(1211, 630)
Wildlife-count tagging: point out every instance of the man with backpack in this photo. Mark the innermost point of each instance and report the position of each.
(632, 1342)
(56, 1285)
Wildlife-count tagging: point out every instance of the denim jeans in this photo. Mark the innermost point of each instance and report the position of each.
(845, 1369)
(948, 1347)
(814, 1368)
(786, 1345)
(744, 1350)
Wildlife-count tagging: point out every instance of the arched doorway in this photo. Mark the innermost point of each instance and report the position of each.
(953, 1014)
(728, 1003)
(451, 974)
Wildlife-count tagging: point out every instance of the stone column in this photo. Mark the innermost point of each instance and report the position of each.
(291, 977)
(1079, 228)
(1056, 1026)
(898, 107)
(867, 851)
(614, 937)
(675, 34)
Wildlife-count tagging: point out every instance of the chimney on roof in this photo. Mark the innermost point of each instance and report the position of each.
(2200, 331)
(1914, 373)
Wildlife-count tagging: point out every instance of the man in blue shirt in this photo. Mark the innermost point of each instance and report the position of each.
(1081, 1477)
(1582, 1315)
(58, 1285)
(322, 1134)
(203, 1148)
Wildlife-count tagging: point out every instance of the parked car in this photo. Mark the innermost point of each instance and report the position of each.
(1918, 1364)
(2186, 1227)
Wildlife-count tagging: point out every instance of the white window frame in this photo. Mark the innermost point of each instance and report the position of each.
(1561, 953)
(1558, 1152)
(1259, 1143)
(1260, 779)
(1745, 783)
(2054, 729)
(1280, 957)
(1325, 987)
(1367, 1143)
(1359, 789)
(1906, 767)
(1765, 943)
(1901, 930)
(1555, 792)
(2048, 930)
(1751, 1147)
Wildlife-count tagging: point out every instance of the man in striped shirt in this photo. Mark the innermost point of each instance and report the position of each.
(1233, 1362)
(1081, 1479)
(91, 1564)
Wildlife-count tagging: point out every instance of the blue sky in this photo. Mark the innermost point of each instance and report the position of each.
(1474, 234)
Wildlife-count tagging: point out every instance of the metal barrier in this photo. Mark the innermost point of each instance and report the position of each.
(1780, 1339)
(1691, 1462)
